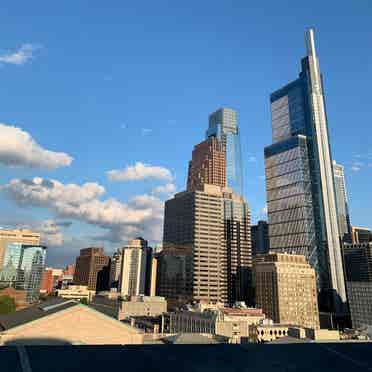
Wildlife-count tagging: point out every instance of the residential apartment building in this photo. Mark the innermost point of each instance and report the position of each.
(286, 289)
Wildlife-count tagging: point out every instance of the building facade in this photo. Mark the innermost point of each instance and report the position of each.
(213, 226)
(358, 273)
(300, 188)
(208, 165)
(174, 274)
(341, 202)
(360, 303)
(260, 238)
(76, 292)
(360, 235)
(115, 268)
(232, 323)
(134, 267)
(92, 268)
(47, 281)
(358, 262)
(23, 267)
(19, 236)
(286, 289)
(223, 125)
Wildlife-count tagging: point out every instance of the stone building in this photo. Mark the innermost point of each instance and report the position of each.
(92, 269)
(286, 289)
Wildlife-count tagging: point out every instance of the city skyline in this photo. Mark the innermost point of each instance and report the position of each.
(105, 147)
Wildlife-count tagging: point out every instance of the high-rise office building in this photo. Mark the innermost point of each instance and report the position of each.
(358, 273)
(360, 235)
(358, 262)
(19, 236)
(214, 225)
(341, 202)
(31, 269)
(92, 269)
(22, 264)
(134, 268)
(174, 275)
(260, 238)
(210, 222)
(208, 165)
(299, 180)
(286, 289)
(223, 125)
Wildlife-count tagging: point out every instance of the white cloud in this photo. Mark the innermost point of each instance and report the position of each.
(51, 234)
(263, 211)
(20, 56)
(139, 172)
(169, 188)
(146, 131)
(19, 149)
(356, 166)
(142, 213)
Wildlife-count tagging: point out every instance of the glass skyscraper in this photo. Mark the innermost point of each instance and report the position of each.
(341, 202)
(223, 125)
(23, 268)
(299, 180)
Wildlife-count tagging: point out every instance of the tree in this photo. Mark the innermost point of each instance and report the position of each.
(7, 305)
(84, 301)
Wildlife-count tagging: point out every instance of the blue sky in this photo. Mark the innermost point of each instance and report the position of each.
(113, 84)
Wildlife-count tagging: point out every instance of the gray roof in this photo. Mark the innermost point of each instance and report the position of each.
(290, 340)
(35, 312)
(190, 338)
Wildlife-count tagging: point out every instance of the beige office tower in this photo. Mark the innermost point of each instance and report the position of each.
(21, 236)
(134, 268)
(286, 289)
(208, 165)
(214, 224)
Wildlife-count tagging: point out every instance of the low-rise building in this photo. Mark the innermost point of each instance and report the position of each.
(76, 292)
(64, 322)
(233, 323)
(267, 331)
(114, 305)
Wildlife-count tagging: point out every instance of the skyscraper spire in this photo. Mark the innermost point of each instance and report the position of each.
(310, 43)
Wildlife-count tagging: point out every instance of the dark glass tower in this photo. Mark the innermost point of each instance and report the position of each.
(223, 125)
(299, 180)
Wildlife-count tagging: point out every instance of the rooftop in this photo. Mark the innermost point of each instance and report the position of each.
(34, 312)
